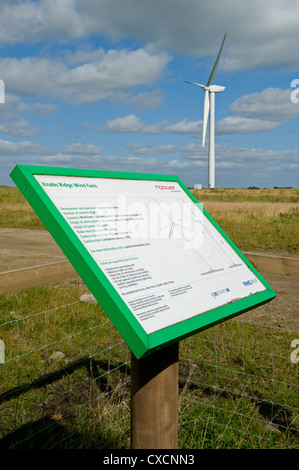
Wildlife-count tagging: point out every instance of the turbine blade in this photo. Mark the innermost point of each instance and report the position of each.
(213, 73)
(197, 84)
(206, 110)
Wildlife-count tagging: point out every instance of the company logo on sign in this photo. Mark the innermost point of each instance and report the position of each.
(169, 188)
(250, 282)
(219, 292)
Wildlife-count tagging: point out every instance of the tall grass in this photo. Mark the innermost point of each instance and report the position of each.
(259, 226)
(256, 219)
(16, 212)
(290, 195)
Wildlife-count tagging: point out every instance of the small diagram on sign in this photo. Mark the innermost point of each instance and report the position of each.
(185, 224)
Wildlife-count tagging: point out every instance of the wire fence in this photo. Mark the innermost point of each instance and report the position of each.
(246, 386)
(65, 380)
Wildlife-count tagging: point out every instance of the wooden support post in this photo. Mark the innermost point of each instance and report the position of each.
(154, 400)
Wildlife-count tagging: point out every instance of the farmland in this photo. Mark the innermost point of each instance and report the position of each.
(237, 384)
(255, 219)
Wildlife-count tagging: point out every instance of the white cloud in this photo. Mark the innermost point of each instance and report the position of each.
(103, 162)
(146, 150)
(146, 101)
(250, 158)
(254, 113)
(30, 76)
(229, 160)
(271, 104)
(18, 20)
(245, 166)
(196, 28)
(114, 71)
(40, 20)
(259, 112)
(65, 159)
(242, 125)
(21, 148)
(260, 34)
(132, 123)
(82, 149)
(186, 126)
(42, 109)
(18, 128)
(11, 120)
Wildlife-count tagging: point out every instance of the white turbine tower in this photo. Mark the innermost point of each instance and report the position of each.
(209, 106)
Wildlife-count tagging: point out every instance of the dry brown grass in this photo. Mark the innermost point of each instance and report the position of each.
(242, 209)
(259, 226)
(276, 195)
(255, 219)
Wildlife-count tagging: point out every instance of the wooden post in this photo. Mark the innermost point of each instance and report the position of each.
(154, 400)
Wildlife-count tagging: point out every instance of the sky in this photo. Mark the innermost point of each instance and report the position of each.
(100, 84)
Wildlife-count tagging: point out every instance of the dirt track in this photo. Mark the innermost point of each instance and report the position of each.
(25, 248)
(21, 248)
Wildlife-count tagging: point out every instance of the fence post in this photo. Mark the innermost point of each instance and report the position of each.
(154, 399)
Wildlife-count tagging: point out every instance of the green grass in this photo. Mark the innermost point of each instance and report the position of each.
(237, 383)
(259, 228)
(256, 220)
(16, 212)
(39, 393)
(227, 399)
(237, 395)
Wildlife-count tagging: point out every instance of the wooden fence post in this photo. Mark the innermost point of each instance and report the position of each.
(154, 399)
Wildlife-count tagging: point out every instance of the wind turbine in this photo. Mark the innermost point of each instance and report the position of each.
(209, 107)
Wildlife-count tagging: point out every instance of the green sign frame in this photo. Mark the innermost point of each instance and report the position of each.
(139, 341)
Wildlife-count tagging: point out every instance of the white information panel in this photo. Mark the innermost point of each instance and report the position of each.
(163, 256)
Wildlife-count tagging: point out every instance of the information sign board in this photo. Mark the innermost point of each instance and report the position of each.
(155, 260)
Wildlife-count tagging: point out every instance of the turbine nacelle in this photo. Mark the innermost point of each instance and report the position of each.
(215, 88)
(211, 88)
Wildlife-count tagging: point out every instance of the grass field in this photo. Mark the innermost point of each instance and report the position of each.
(238, 393)
(255, 219)
(233, 394)
(226, 392)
